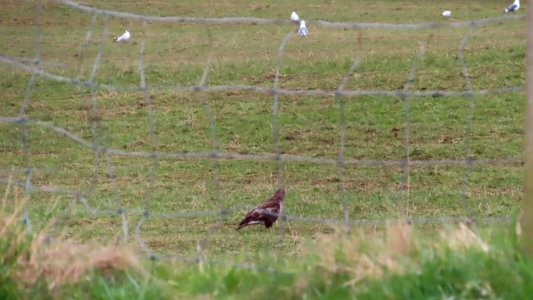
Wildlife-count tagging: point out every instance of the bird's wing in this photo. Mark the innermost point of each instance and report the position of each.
(271, 206)
(511, 7)
(272, 211)
(254, 213)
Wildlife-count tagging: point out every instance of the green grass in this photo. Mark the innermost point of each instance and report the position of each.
(398, 263)
(246, 54)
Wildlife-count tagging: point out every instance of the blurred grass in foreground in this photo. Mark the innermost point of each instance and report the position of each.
(398, 263)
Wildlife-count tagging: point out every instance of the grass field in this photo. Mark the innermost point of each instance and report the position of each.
(246, 54)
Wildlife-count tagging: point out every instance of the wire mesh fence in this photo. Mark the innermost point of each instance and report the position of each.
(211, 164)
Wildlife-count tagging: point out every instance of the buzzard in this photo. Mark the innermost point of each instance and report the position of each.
(266, 213)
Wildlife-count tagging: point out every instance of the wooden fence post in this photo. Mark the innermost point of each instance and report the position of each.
(527, 207)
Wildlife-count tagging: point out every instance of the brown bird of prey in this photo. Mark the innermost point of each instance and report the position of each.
(266, 213)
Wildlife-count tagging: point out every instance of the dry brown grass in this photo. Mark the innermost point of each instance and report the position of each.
(371, 255)
(463, 238)
(56, 260)
(61, 262)
(364, 255)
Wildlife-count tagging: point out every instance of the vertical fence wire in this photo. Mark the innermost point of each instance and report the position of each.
(280, 181)
(342, 141)
(22, 112)
(148, 196)
(405, 178)
(467, 209)
(211, 116)
(93, 115)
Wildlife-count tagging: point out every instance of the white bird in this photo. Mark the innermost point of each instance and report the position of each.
(446, 13)
(295, 18)
(303, 29)
(126, 36)
(513, 7)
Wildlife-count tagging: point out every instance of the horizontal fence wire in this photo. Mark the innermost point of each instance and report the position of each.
(258, 89)
(102, 151)
(252, 20)
(262, 156)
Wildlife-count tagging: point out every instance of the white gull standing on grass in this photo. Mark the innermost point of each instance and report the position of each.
(303, 29)
(124, 37)
(513, 7)
(295, 18)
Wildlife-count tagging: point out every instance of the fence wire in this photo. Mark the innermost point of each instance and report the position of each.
(104, 153)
